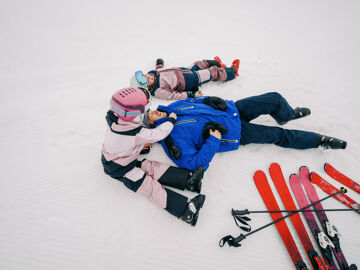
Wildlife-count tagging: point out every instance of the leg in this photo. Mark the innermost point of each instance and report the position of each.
(204, 64)
(165, 174)
(297, 139)
(173, 176)
(148, 186)
(270, 103)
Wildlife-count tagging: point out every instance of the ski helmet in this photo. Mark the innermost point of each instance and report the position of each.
(129, 103)
(138, 80)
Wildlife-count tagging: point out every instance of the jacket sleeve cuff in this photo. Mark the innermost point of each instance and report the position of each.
(172, 120)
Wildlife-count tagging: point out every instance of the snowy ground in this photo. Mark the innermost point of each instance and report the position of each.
(60, 61)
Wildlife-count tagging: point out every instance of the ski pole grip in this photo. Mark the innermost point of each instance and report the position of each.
(343, 190)
(239, 212)
(239, 238)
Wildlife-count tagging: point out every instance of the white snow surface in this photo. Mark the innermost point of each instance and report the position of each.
(60, 62)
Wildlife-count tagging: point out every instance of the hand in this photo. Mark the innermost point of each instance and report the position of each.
(215, 133)
(159, 61)
(147, 145)
(216, 103)
(146, 149)
(198, 94)
(173, 115)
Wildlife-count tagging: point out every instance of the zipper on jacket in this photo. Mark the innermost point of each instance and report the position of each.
(185, 121)
(229, 141)
(185, 108)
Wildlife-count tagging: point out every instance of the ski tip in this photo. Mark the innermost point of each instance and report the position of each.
(258, 172)
(303, 166)
(274, 164)
(293, 175)
(311, 176)
(325, 164)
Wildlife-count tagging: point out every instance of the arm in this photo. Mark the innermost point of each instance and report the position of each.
(170, 94)
(192, 158)
(147, 135)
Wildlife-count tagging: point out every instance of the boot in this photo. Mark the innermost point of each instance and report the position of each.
(217, 58)
(331, 142)
(299, 112)
(212, 63)
(192, 210)
(194, 181)
(235, 65)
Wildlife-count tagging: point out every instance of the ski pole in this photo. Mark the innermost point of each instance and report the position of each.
(246, 211)
(235, 241)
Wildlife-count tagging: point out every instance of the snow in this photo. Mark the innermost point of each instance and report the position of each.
(60, 61)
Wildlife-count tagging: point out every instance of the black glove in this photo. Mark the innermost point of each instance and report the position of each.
(216, 103)
(213, 125)
(173, 150)
(194, 89)
(145, 151)
(159, 61)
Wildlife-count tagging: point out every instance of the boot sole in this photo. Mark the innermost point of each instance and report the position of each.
(195, 218)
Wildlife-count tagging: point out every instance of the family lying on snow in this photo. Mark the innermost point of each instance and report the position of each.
(191, 130)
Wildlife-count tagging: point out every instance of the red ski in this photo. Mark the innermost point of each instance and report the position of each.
(330, 189)
(285, 195)
(324, 243)
(265, 191)
(329, 228)
(343, 179)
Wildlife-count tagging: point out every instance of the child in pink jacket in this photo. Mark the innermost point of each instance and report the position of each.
(179, 83)
(126, 137)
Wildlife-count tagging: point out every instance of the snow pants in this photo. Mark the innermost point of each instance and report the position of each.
(202, 73)
(279, 109)
(147, 179)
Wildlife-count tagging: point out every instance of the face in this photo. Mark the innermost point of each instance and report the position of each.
(150, 80)
(154, 115)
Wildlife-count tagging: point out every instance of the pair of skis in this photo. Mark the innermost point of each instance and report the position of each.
(322, 239)
(264, 188)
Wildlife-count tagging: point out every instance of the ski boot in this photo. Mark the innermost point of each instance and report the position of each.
(299, 112)
(194, 180)
(235, 65)
(331, 142)
(192, 209)
(217, 58)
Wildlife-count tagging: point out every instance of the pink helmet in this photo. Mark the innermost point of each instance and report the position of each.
(129, 103)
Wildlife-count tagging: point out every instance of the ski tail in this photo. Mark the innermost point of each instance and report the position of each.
(267, 195)
(330, 189)
(285, 195)
(325, 224)
(322, 240)
(341, 178)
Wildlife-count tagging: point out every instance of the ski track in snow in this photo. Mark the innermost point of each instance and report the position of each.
(61, 62)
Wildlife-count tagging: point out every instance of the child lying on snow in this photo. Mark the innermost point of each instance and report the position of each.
(179, 83)
(124, 140)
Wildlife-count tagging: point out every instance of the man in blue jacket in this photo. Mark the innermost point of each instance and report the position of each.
(207, 125)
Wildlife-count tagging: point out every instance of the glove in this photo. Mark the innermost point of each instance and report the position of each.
(194, 89)
(216, 103)
(145, 151)
(159, 61)
(213, 125)
(173, 150)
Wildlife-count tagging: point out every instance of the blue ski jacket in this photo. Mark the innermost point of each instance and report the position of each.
(192, 116)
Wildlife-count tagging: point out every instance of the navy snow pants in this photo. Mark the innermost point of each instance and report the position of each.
(279, 109)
